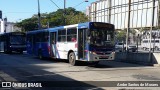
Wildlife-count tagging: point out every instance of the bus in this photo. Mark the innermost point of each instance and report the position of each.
(89, 41)
(155, 41)
(155, 44)
(12, 41)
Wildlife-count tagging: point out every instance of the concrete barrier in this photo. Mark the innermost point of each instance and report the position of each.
(156, 58)
(138, 58)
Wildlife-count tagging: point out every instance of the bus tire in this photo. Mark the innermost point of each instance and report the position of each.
(40, 56)
(72, 58)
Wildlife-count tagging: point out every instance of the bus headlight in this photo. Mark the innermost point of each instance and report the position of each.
(113, 53)
(94, 53)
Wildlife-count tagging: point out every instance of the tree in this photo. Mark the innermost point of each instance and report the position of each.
(54, 19)
(28, 24)
(121, 35)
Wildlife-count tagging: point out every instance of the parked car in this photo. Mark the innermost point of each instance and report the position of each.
(122, 47)
(132, 48)
(119, 47)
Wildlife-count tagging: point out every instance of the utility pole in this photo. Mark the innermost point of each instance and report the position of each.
(48, 24)
(64, 14)
(152, 24)
(109, 6)
(39, 16)
(128, 26)
(159, 14)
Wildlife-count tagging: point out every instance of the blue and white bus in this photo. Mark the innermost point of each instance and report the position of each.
(90, 41)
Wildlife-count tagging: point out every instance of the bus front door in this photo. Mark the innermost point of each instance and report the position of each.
(81, 43)
(53, 44)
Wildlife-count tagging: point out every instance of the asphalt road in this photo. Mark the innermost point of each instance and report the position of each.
(59, 75)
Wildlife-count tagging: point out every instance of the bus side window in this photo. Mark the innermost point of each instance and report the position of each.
(45, 36)
(72, 35)
(61, 35)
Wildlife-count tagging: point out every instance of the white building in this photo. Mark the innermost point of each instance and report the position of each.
(116, 12)
(2, 26)
(8, 26)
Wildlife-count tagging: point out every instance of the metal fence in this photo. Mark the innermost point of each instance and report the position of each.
(116, 12)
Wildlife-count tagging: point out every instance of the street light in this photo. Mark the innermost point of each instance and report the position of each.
(81, 3)
(65, 9)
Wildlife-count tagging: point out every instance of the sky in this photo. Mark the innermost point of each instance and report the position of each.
(17, 10)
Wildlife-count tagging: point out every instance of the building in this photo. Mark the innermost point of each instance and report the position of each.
(117, 12)
(8, 26)
(159, 15)
(2, 26)
(11, 27)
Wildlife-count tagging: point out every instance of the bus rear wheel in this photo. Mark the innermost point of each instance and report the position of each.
(72, 59)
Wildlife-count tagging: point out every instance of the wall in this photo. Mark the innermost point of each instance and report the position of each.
(139, 58)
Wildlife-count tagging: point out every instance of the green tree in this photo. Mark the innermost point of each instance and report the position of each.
(72, 16)
(121, 35)
(28, 24)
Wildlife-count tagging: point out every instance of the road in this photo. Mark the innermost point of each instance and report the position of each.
(26, 68)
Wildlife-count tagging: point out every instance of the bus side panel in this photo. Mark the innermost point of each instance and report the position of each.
(45, 49)
(33, 49)
(72, 46)
(29, 48)
(62, 50)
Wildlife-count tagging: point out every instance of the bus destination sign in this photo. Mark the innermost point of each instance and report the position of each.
(102, 25)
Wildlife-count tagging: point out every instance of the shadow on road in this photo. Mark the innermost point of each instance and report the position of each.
(26, 69)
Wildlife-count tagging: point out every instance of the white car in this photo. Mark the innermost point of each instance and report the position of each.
(122, 47)
(119, 47)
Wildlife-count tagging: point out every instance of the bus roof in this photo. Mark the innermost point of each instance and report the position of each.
(80, 25)
(35, 31)
(11, 33)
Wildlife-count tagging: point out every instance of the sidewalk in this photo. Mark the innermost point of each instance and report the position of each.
(120, 64)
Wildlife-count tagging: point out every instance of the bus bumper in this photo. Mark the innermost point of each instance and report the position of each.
(95, 57)
(18, 48)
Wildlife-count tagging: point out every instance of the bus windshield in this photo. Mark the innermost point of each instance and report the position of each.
(17, 39)
(101, 37)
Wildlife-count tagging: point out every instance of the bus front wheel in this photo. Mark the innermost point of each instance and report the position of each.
(72, 59)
